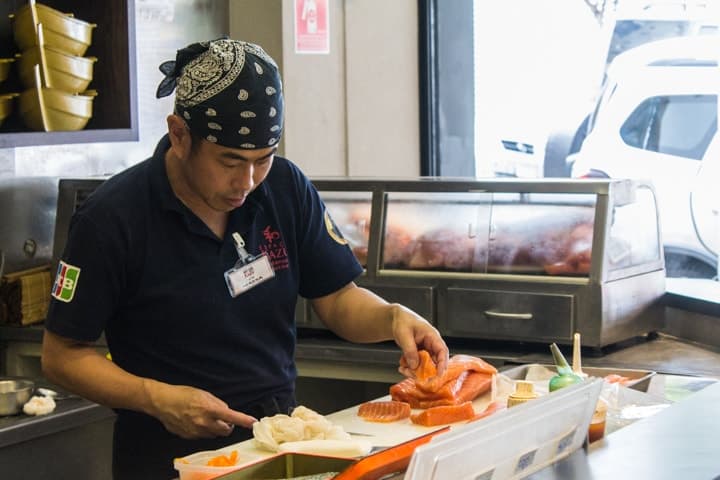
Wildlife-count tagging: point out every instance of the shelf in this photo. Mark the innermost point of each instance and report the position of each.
(115, 114)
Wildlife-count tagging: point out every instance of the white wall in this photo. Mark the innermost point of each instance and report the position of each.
(354, 111)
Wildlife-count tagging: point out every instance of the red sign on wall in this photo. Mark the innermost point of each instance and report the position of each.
(312, 26)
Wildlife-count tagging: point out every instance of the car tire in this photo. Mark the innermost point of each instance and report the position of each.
(559, 145)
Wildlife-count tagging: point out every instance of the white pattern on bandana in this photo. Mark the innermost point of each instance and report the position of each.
(203, 89)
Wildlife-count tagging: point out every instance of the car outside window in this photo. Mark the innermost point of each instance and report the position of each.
(680, 125)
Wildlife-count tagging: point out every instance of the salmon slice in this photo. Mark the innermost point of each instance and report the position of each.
(456, 365)
(444, 414)
(489, 410)
(448, 391)
(407, 391)
(465, 378)
(474, 385)
(468, 386)
(426, 368)
(384, 411)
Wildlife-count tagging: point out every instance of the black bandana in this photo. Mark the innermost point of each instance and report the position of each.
(229, 92)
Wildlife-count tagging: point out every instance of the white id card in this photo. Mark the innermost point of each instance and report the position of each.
(242, 278)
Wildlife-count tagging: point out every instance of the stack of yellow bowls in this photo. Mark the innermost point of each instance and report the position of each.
(52, 68)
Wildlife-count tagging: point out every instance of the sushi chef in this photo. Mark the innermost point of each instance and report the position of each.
(190, 264)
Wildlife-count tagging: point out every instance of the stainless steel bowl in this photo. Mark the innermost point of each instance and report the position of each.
(14, 393)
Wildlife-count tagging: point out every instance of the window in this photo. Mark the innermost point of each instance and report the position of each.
(563, 88)
(680, 125)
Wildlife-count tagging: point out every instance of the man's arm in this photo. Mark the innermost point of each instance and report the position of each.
(358, 315)
(185, 411)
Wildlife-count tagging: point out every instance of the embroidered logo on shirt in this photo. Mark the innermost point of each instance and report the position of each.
(274, 247)
(65, 282)
(333, 231)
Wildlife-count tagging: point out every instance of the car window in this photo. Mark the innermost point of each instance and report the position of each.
(680, 125)
(629, 33)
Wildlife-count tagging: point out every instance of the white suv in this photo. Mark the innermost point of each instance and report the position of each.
(656, 119)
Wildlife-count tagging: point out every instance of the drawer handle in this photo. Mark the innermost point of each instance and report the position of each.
(502, 315)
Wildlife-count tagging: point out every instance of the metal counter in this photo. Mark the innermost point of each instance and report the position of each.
(678, 442)
(75, 441)
(324, 355)
(70, 413)
(660, 353)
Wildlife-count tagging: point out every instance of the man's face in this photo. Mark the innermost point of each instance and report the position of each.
(223, 177)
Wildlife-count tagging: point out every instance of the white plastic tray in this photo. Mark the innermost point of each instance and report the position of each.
(637, 379)
(513, 443)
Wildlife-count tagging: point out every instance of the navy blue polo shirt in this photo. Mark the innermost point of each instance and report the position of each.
(151, 277)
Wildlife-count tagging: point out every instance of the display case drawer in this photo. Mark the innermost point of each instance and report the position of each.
(503, 314)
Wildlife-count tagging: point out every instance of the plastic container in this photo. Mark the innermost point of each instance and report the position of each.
(637, 379)
(194, 467)
(289, 465)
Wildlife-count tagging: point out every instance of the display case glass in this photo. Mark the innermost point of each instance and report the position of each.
(536, 234)
(541, 234)
(497, 232)
(436, 231)
(633, 233)
(351, 213)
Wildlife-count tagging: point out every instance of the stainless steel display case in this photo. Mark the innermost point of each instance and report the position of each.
(530, 261)
(27, 222)
(501, 259)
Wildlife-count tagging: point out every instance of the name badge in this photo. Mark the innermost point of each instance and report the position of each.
(242, 278)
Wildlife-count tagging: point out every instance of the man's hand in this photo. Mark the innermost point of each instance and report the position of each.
(192, 413)
(412, 333)
(359, 315)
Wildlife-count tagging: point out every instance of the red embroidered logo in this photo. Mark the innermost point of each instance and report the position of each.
(274, 248)
(270, 234)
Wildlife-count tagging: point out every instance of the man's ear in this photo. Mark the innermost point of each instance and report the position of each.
(180, 138)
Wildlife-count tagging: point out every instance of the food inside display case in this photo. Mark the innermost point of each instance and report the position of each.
(541, 234)
(514, 233)
(439, 231)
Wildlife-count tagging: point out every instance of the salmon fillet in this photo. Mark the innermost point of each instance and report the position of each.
(456, 365)
(468, 386)
(465, 378)
(384, 411)
(444, 414)
(448, 391)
